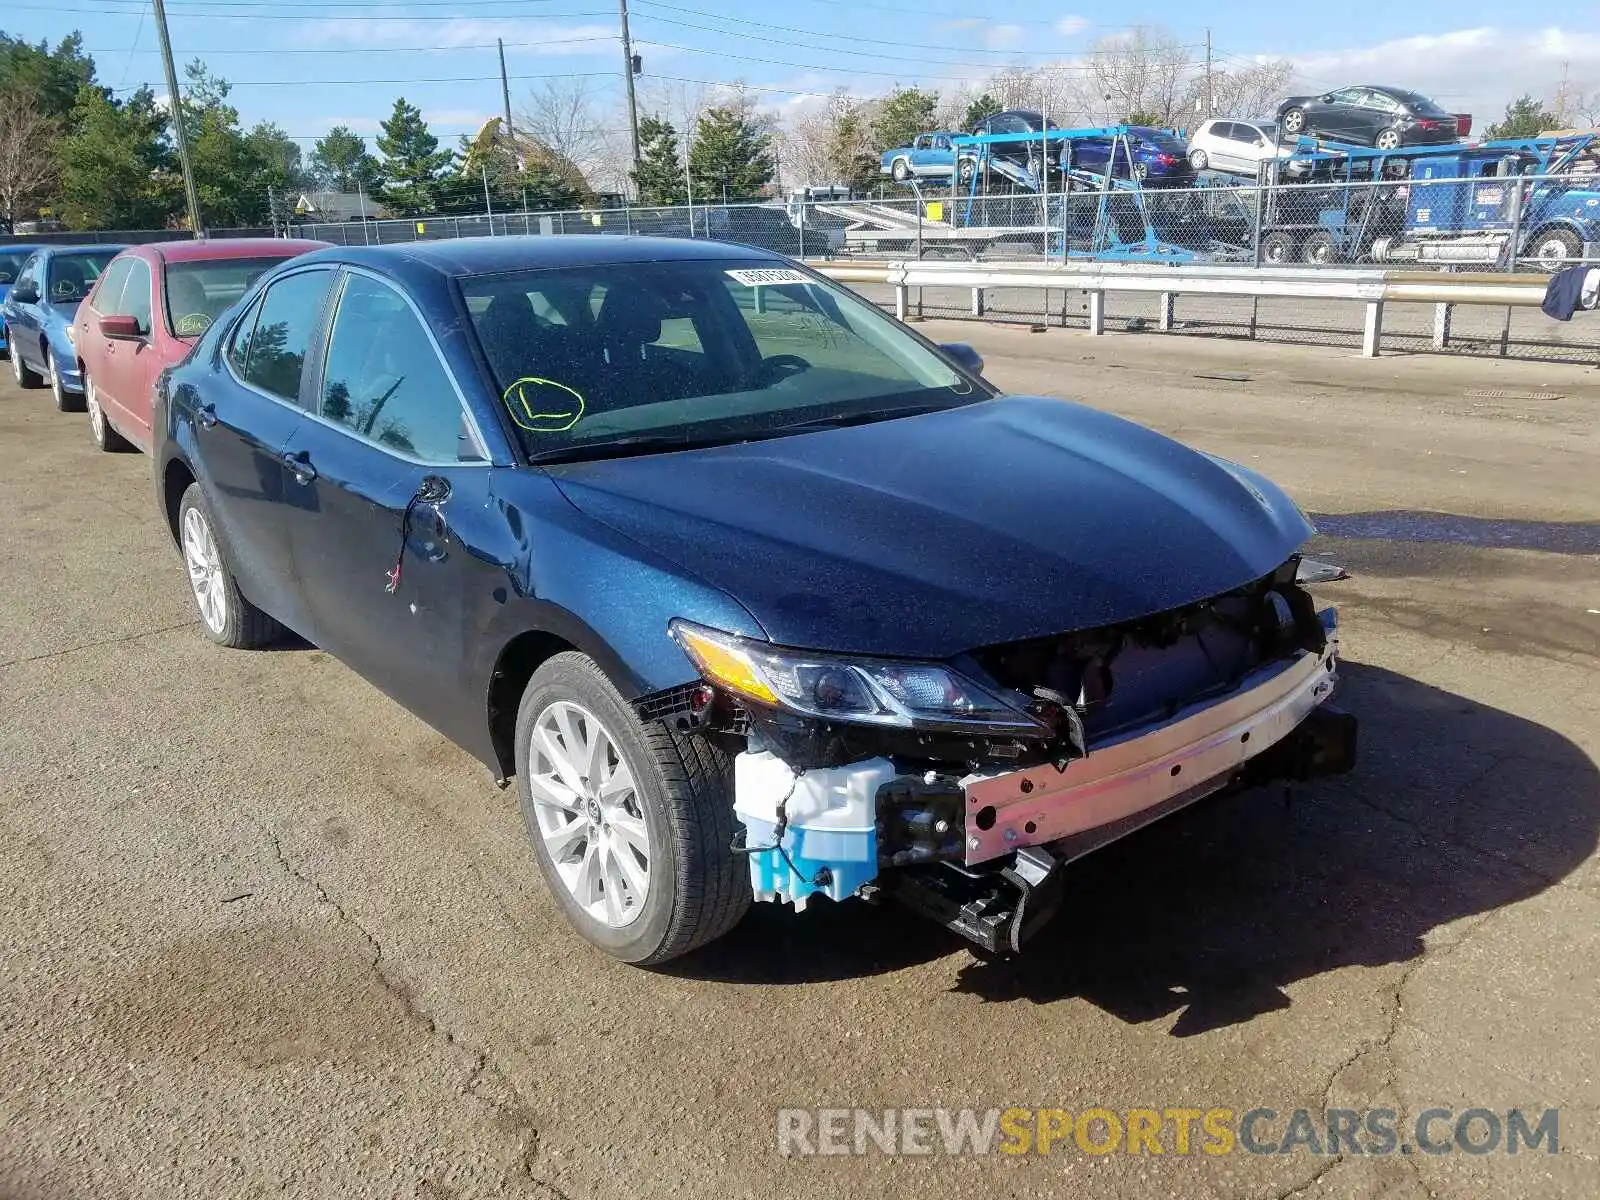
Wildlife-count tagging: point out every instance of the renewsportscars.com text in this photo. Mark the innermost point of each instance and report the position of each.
(1208, 1131)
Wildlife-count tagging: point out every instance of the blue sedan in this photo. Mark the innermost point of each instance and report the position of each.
(13, 256)
(38, 313)
(755, 592)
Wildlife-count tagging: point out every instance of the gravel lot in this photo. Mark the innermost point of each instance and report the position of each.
(267, 934)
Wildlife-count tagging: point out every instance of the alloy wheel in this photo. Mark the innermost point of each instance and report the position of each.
(589, 814)
(204, 560)
(97, 419)
(1388, 140)
(1294, 121)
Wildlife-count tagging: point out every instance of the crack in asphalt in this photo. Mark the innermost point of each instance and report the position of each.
(513, 1111)
(1314, 1177)
(110, 641)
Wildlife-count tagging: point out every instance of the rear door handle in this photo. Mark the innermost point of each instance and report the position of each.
(299, 464)
(206, 414)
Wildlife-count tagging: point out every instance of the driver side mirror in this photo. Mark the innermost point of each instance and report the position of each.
(25, 293)
(963, 356)
(121, 328)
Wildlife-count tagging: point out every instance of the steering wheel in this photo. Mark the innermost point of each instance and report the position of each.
(782, 366)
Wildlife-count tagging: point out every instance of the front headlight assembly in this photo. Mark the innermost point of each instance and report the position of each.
(831, 687)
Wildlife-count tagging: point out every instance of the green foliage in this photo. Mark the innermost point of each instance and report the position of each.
(1525, 117)
(52, 77)
(117, 169)
(984, 106)
(340, 162)
(413, 165)
(659, 175)
(850, 152)
(235, 174)
(1144, 118)
(730, 157)
(905, 112)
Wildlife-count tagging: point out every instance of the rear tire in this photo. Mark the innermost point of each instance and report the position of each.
(1278, 247)
(1318, 249)
(1387, 139)
(226, 616)
(105, 434)
(1553, 248)
(25, 375)
(678, 800)
(1293, 122)
(67, 402)
(1198, 160)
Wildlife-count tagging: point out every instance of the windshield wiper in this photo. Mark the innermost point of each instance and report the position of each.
(841, 420)
(622, 447)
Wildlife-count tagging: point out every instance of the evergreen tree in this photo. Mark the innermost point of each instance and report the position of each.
(905, 113)
(413, 165)
(731, 157)
(984, 106)
(232, 172)
(850, 152)
(1524, 118)
(52, 77)
(659, 175)
(340, 162)
(117, 170)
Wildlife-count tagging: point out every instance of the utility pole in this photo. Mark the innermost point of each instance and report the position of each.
(627, 74)
(175, 104)
(1561, 97)
(505, 95)
(1210, 101)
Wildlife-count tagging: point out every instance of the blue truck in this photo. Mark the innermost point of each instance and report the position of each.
(1443, 204)
(929, 156)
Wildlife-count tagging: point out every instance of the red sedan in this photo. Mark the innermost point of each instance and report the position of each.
(147, 308)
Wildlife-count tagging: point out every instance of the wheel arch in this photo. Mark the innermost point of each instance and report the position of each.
(175, 480)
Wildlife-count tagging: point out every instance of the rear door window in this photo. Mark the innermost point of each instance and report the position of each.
(274, 351)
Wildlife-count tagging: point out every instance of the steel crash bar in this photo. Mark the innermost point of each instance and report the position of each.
(1373, 288)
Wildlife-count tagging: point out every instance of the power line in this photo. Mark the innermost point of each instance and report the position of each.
(282, 16)
(300, 83)
(609, 37)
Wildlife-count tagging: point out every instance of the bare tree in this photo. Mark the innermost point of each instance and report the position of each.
(566, 116)
(1587, 106)
(1141, 72)
(1250, 89)
(27, 154)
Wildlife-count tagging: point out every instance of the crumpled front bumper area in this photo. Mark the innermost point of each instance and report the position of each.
(983, 853)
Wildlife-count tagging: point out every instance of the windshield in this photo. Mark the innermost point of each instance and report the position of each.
(72, 275)
(197, 293)
(10, 264)
(1420, 104)
(700, 351)
(1161, 140)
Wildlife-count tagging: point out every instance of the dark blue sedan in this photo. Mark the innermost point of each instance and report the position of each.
(756, 592)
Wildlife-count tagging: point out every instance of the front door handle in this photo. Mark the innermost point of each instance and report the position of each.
(299, 464)
(206, 414)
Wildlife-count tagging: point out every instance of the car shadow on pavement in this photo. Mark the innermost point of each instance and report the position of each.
(1454, 809)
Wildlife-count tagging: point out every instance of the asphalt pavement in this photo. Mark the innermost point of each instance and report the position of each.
(267, 934)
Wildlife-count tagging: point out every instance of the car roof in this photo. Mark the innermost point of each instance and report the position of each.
(218, 248)
(54, 248)
(490, 255)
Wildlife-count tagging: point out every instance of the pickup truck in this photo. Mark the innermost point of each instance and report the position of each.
(930, 155)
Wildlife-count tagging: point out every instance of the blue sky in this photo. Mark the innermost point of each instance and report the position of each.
(308, 64)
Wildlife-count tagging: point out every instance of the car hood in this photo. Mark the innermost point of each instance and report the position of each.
(926, 536)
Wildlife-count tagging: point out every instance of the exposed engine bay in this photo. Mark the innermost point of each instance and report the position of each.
(1115, 728)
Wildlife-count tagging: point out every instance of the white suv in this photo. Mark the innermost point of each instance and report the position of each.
(1234, 146)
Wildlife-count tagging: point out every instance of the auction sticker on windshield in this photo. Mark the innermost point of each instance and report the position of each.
(752, 277)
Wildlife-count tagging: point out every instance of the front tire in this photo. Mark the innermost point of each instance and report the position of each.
(106, 437)
(1294, 121)
(66, 401)
(1554, 248)
(1198, 160)
(901, 170)
(632, 824)
(226, 616)
(25, 375)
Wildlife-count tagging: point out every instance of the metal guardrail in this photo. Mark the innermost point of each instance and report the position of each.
(1371, 287)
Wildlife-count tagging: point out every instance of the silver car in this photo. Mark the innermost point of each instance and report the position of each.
(1237, 147)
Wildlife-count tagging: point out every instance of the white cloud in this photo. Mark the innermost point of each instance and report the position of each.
(1466, 70)
(998, 37)
(1069, 25)
(521, 36)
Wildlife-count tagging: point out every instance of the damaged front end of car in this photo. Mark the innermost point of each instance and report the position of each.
(964, 787)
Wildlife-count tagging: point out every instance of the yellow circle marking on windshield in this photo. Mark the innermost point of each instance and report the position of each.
(191, 324)
(524, 413)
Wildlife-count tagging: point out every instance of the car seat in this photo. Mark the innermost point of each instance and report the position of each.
(186, 298)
